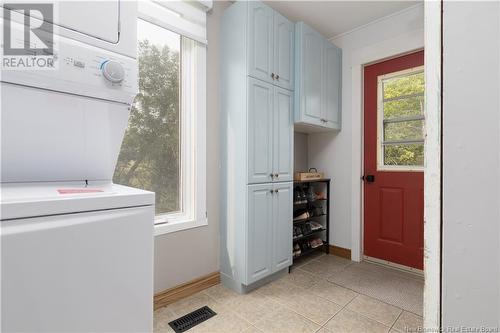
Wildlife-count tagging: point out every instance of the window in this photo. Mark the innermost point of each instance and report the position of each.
(150, 157)
(401, 120)
(163, 150)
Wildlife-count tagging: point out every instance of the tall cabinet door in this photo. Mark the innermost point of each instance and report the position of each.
(260, 41)
(283, 51)
(332, 80)
(283, 135)
(312, 49)
(259, 232)
(260, 131)
(282, 223)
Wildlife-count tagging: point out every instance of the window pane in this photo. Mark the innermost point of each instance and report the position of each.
(404, 85)
(150, 155)
(410, 106)
(405, 130)
(407, 155)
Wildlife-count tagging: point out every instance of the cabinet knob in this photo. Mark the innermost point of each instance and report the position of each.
(277, 77)
(271, 191)
(271, 175)
(276, 191)
(276, 175)
(272, 75)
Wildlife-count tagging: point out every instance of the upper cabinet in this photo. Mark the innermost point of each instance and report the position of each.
(260, 41)
(284, 41)
(270, 46)
(318, 71)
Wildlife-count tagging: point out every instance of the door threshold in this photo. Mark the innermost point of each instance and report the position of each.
(403, 268)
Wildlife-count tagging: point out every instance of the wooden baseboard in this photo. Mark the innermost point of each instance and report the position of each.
(186, 289)
(340, 251)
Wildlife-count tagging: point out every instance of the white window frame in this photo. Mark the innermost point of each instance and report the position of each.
(380, 123)
(193, 134)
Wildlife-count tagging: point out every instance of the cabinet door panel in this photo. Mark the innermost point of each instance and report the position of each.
(283, 51)
(260, 131)
(283, 135)
(260, 41)
(332, 73)
(311, 74)
(282, 222)
(259, 232)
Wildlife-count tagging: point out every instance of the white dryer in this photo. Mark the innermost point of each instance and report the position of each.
(76, 249)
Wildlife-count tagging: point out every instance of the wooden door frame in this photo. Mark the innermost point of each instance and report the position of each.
(385, 50)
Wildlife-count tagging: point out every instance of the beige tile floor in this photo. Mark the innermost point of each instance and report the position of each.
(307, 300)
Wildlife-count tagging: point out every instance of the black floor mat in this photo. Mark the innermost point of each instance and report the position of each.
(192, 319)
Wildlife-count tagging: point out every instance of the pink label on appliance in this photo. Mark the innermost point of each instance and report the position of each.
(78, 190)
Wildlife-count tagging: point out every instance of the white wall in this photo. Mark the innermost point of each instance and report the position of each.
(300, 154)
(471, 164)
(186, 255)
(339, 154)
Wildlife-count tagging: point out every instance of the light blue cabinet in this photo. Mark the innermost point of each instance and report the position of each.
(282, 222)
(260, 41)
(270, 45)
(270, 133)
(308, 68)
(257, 74)
(260, 232)
(284, 49)
(317, 81)
(332, 85)
(260, 131)
(283, 135)
(269, 230)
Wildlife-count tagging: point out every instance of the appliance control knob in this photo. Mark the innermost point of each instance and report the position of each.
(113, 71)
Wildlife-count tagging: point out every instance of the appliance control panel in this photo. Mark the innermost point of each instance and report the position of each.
(79, 69)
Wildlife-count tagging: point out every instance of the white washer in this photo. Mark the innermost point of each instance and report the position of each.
(76, 249)
(76, 258)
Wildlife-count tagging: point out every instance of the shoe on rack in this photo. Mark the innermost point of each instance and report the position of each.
(303, 196)
(315, 225)
(302, 216)
(317, 242)
(311, 196)
(306, 229)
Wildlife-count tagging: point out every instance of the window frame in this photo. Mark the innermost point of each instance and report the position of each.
(193, 134)
(380, 123)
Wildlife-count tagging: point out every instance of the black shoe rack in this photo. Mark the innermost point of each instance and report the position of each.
(311, 217)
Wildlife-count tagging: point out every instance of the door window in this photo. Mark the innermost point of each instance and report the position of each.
(401, 122)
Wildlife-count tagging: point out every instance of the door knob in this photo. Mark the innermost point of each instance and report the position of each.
(368, 178)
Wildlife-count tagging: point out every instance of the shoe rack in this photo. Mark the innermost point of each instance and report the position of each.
(311, 217)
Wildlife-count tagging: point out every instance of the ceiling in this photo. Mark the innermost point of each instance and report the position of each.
(332, 18)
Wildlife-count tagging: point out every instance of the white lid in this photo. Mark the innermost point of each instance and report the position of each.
(22, 200)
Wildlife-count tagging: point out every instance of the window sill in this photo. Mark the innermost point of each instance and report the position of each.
(162, 227)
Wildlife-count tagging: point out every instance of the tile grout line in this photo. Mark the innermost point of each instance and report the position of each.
(394, 323)
(324, 325)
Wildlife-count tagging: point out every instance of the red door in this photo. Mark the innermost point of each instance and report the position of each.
(393, 160)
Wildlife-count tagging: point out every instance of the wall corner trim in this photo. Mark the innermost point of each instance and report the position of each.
(169, 296)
